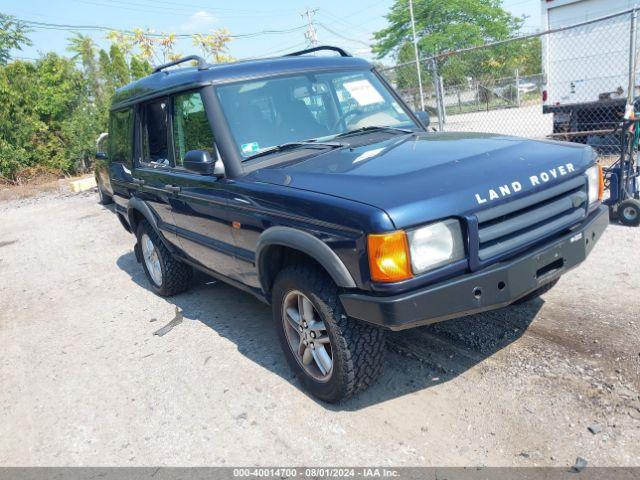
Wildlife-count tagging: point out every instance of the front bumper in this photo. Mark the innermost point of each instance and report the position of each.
(494, 287)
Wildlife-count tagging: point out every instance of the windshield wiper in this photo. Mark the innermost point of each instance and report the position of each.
(293, 145)
(373, 128)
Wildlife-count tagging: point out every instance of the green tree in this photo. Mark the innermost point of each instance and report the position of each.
(442, 26)
(139, 68)
(120, 73)
(13, 35)
(84, 49)
(214, 46)
(45, 120)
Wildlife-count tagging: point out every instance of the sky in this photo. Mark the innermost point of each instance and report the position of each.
(348, 24)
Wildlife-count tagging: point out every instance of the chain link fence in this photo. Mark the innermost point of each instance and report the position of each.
(567, 83)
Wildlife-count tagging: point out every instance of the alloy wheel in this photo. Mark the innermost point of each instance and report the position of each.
(307, 336)
(151, 259)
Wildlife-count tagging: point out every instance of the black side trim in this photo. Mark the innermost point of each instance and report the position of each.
(223, 278)
(307, 243)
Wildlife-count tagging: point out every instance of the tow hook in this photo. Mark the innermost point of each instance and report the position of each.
(138, 252)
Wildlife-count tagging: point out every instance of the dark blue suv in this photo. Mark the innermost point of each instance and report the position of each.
(308, 182)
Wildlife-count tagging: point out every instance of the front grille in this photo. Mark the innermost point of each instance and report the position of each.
(525, 221)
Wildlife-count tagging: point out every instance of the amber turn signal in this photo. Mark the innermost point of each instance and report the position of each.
(600, 182)
(389, 257)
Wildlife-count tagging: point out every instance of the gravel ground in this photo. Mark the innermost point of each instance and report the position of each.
(84, 381)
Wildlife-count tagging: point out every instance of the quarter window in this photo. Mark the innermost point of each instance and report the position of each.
(121, 136)
(191, 129)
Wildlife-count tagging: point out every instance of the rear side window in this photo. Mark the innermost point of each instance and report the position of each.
(121, 136)
(191, 129)
(155, 118)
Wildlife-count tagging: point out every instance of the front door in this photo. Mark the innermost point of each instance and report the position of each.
(199, 202)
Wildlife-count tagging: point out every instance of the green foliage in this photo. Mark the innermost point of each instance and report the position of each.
(442, 26)
(13, 35)
(46, 120)
(139, 68)
(53, 109)
(119, 70)
(452, 25)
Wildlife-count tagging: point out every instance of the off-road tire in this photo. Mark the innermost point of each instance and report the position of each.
(629, 212)
(536, 293)
(176, 275)
(357, 347)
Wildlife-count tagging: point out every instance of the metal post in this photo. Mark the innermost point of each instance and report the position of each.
(415, 51)
(444, 110)
(517, 88)
(436, 89)
(632, 61)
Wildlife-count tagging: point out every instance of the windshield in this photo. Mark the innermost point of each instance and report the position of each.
(264, 113)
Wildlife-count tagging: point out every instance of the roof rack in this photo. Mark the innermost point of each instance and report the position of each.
(342, 52)
(202, 63)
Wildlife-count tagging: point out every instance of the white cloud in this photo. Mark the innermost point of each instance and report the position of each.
(199, 22)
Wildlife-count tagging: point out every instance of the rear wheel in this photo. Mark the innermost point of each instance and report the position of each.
(333, 356)
(167, 275)
(629, 212)
(536, 293)
(103, 198)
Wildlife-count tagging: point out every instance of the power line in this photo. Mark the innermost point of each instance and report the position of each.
(231, 11)
(166, 9)
(290, 48)
(342, 36)
(72, 28)
(334, 18)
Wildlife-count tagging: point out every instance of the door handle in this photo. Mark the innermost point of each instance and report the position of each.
(172, 188)
(138, 181)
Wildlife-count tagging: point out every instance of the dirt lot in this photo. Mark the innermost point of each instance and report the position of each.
(84, 381)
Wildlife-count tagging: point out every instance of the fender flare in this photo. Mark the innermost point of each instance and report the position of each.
(306, 243)
(135, 204)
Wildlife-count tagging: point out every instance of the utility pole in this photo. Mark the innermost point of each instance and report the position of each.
(311, 34)
(415, 50)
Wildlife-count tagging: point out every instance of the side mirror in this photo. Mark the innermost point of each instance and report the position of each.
(198, 161)
(423, 117)
(101, 156)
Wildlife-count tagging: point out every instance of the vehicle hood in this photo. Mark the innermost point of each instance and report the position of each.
(425, 177)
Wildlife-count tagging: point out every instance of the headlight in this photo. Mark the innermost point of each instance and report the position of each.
(595, 184)
(435, 245)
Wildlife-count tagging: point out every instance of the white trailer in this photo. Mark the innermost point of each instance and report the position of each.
(586, 69)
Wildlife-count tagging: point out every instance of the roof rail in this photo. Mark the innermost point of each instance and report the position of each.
(202, 63)
(317, 49)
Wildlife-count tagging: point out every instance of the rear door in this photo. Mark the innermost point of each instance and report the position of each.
(154, 160)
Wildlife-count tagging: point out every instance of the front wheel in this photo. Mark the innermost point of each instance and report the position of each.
(167, 275)
(333, 356)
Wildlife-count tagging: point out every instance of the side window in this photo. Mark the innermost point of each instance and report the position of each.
(191, 129)
(121, 136)
(155, 116)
